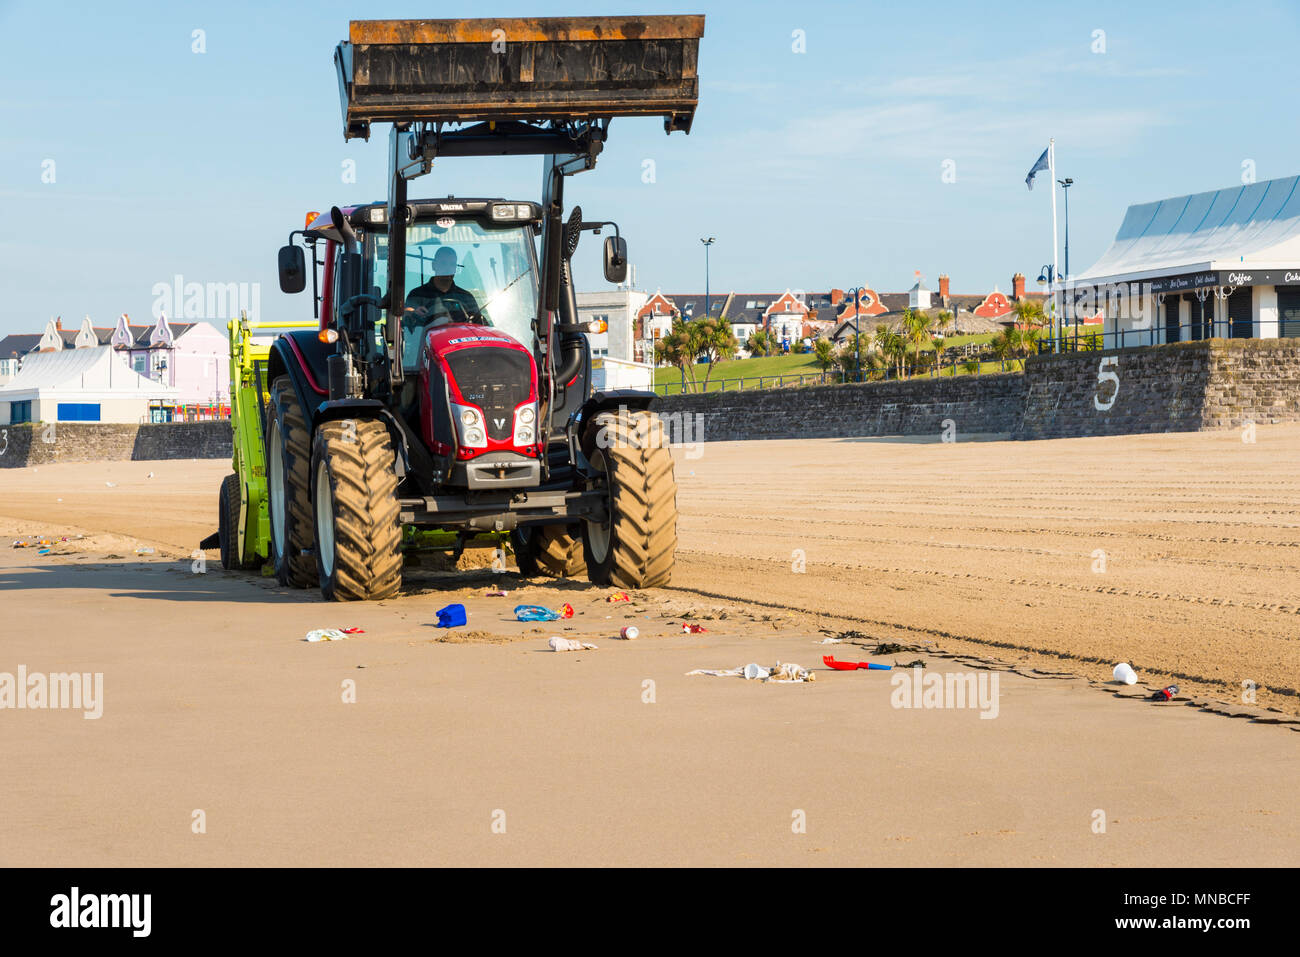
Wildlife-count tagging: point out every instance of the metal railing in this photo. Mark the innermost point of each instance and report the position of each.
(1161, 333)
(779, 381)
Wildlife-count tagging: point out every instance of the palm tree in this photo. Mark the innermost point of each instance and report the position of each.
(1029, 314)
(715, 341)
(678, 348)
(916, 328)
(1002, 347)
(824, 354)
(937, 344)
(888, 342)
(1016, 339)
(1028, 343)
(760, 343)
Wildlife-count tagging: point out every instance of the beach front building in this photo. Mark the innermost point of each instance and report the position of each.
(1225, 264)
(618, 308)
(92, 384)
(190, 358)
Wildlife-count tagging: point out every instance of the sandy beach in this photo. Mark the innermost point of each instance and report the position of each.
(1040, 563)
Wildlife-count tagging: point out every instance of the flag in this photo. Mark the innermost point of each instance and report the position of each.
(1041, 164)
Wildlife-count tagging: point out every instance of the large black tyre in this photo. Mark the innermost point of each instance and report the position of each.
(288, 486)
(228, 506)
(357, 515)
(551, 550)
(635, 548)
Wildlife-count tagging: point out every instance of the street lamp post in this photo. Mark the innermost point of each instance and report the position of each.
(857, 332)
(1065, 187)
(1048, 276)
(707, 243)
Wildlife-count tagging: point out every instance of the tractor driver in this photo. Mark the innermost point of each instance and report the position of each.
(436, 302)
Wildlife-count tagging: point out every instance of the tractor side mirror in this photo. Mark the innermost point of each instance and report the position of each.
(615, 259)
(293, 269)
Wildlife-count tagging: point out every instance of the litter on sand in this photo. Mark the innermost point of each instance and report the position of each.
(830, 662)
(830, 641)
(144, 551)
(629, 633)
(690, 629)
(570, 644)
(541, 613)
(1124, 673)
(40, 541)
(781, 673)
(453, 616)
(332, 634)
(618, 598)
(496, 594)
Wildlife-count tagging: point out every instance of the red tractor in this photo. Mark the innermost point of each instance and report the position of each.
(449, 385)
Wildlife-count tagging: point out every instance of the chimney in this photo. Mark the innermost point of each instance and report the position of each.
(837, 296)
(58, 323)
(943, 287)
(1018, 286)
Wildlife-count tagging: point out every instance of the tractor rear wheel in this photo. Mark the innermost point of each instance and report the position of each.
(288, 483)
(635, 546)
(228, 508)
(358, 527)
(551, 550)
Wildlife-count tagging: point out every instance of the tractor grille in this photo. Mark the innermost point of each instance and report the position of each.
(496, 380)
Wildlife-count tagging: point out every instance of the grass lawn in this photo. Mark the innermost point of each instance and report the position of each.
(668, 379)
(729, 373)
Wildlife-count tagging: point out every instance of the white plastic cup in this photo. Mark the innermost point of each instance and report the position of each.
(753, 671)
(1125, 674)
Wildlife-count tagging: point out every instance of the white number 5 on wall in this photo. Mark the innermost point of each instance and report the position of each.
(1106, 372)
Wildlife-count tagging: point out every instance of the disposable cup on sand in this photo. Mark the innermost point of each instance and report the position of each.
(1125, 674)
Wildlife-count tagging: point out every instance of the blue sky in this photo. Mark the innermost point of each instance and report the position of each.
(812, 170)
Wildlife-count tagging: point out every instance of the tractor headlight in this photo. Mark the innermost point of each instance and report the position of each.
(525, 415)
(504, 211)
(469, 425)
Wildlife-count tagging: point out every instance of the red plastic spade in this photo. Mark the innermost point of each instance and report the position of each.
(830, 662)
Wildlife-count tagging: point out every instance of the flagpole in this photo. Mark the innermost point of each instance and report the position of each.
(1056, 275)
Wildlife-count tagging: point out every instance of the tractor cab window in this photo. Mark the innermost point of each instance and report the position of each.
(461, 270)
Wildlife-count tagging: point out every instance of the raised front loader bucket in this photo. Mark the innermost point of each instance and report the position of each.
(523, 69)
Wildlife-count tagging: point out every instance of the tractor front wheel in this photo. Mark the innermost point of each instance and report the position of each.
(354, 496)
(636, 544)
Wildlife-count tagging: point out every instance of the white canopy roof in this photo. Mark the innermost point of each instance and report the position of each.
(1255, 226)
(97, 373)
